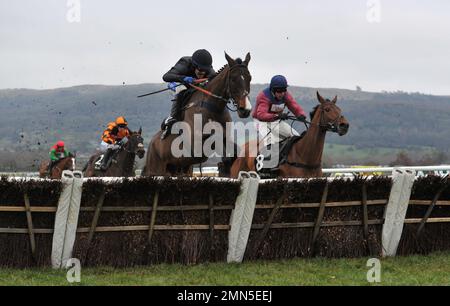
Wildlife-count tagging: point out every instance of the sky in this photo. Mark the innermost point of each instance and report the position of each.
(375, 44)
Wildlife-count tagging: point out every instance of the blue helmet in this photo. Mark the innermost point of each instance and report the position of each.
(278, 81)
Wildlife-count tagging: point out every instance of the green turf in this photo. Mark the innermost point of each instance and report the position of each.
(414, 270)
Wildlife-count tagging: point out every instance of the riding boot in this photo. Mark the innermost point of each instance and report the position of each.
(106, 158)
(50, 167)
(175, 114)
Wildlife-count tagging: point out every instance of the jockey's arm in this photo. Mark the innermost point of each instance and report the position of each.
(178, 72)
(66, 153)
(53, 156)
(293, 106)
(107, 137)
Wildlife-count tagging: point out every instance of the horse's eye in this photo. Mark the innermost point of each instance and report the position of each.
(327, 109)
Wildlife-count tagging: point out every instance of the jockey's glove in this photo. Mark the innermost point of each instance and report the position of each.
(301, 118)
(283, 116)
(188, 80)
(172, 86)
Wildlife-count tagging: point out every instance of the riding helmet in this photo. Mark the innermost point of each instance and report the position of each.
(278, 81)
(121, 121)
(202, 59)
(60, 144)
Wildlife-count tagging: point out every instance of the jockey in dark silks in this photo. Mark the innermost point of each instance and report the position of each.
(186, 71)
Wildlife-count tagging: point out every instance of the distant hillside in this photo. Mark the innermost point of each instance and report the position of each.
(33, 119)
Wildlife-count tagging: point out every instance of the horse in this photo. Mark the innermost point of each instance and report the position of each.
(66, 163)
(122, 163)
(231, 84)
(304, 158)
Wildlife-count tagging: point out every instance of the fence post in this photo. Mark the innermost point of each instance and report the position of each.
(66, 218)
(72, 218)
(242, 216)
(396, 208)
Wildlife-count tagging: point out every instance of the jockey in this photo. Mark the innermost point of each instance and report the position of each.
(112, 139)
(269, 111)
(186, 71)
(56, 153)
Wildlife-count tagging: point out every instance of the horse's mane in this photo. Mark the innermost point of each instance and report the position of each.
(221, 69)
(238, 61)
(313, 112)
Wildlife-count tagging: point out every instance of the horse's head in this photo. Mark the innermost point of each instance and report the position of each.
(239, 84)
(331, 118)
(135, 143)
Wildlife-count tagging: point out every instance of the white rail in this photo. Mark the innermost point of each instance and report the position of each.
(440, 170)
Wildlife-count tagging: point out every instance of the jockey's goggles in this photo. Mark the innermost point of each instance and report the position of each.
(279, 90)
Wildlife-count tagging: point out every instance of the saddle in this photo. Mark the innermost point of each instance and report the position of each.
(279, 157)
(99, 159)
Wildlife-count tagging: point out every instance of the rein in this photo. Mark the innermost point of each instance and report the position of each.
(228, 92)
(331, 126)
(124, 148)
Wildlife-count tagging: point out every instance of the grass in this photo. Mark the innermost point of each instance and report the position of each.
(413, 270)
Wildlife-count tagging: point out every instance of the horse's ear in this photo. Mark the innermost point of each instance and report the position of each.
(140, 130)
(247, 59)
(319, 97)
(334, 100)
(230, 61)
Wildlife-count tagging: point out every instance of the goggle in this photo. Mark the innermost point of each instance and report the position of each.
(122, 125)
(279, 90)
(200, 69)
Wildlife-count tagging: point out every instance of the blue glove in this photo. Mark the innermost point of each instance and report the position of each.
(172, 86)
(188, 80)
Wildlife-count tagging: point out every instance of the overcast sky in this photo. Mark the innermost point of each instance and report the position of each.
(316, 43)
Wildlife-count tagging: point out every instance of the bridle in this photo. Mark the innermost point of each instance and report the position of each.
(331, 126)
(228, 99)
(137, 148)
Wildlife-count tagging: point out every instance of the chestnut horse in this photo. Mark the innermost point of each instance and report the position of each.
(305, 157)
(66, 163)
(230, 85)
(123, 160)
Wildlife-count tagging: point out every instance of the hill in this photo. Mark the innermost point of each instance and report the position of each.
(31, 120)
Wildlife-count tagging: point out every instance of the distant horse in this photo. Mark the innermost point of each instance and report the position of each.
(66, 163)
(305, 156)
(122, 164)
(231, 84)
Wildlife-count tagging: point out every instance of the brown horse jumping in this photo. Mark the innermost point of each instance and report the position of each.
(231, 84)
(305, 157)
(66, 163)
(123, 163)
